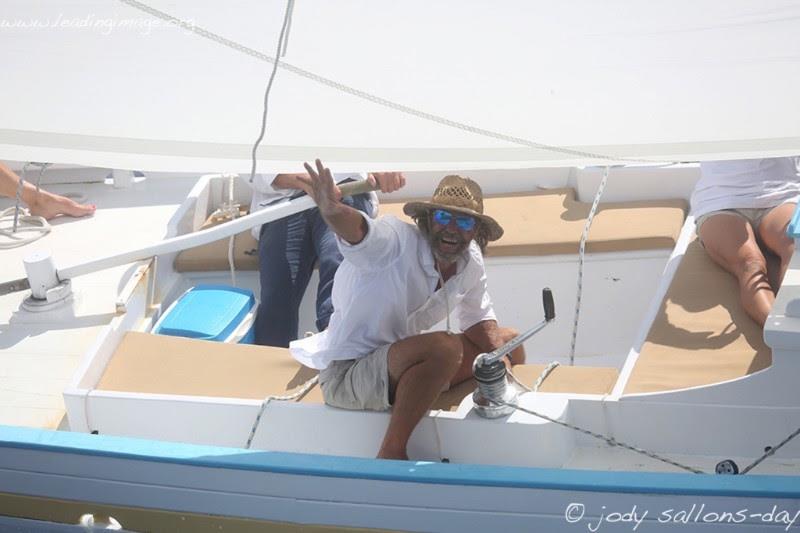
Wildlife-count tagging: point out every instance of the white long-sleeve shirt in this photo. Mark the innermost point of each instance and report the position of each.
(385, 291)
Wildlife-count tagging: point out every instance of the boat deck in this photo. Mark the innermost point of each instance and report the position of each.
(39, 353)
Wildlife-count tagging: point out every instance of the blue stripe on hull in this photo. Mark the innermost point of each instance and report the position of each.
(402, 471)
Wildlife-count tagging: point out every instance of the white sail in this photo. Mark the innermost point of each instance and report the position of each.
(105, 84)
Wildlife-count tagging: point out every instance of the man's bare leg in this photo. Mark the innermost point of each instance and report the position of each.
(419, 367)
(772, 231)
(471, 351)
(730, 241)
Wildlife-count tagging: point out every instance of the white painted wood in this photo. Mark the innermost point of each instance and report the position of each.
(34, 345)
(358, 502)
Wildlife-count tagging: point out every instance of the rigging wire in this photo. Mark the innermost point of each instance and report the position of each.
(770, 451)
(609, 440)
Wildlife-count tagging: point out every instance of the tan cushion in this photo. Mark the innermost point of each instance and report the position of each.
(551, 222)
(158, 364)
(701, 334)
(574, 379)
(537, 223)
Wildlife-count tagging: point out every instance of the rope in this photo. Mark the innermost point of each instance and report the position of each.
(609, 440)
(771, 451)
(430, 117)
(42, 168)
(27, 224)
(18, 214)
(288, 30)
(231, 264)
(518, 381)
(20, 186)
(546, 372)
(283, 39)
(307, 386)
(581, 253)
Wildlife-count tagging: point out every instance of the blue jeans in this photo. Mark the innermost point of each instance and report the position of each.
(288, 249)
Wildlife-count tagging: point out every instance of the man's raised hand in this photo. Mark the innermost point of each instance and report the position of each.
(322, 188)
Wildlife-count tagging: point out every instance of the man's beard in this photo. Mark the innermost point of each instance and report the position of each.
(448, 257)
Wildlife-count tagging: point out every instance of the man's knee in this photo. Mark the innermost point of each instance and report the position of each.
(446, 349)
(508, 334)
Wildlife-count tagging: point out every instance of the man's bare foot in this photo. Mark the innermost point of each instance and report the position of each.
(386, 453)
(49, 205)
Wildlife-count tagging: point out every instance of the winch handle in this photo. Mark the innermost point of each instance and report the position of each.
(499, 353)
(549, 305)
(351, 188)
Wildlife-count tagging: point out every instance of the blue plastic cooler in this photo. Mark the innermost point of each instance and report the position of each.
(211, 312)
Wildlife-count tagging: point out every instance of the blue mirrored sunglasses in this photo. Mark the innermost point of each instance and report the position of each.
(443, 218)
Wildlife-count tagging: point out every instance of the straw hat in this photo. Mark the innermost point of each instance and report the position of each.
(460, 195)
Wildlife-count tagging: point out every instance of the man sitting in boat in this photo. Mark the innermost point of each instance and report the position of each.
(396, 281)
(289, 248)
(742, 209)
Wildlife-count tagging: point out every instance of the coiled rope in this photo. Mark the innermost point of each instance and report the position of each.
(17, 226)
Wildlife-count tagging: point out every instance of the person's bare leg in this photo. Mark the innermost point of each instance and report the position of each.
(729, 240)
(41, 203)
(49, 205)
(773, 268)
(772, 231)
(471, 351)
(419, 367)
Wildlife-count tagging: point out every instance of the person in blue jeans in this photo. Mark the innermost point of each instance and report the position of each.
(289, 248)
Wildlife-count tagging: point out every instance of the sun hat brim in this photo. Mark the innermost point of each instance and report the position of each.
(416, 209)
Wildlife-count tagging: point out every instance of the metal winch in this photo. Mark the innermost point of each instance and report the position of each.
(494, 397)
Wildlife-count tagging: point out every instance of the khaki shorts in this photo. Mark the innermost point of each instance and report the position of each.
(361, 384)
(752, 215)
